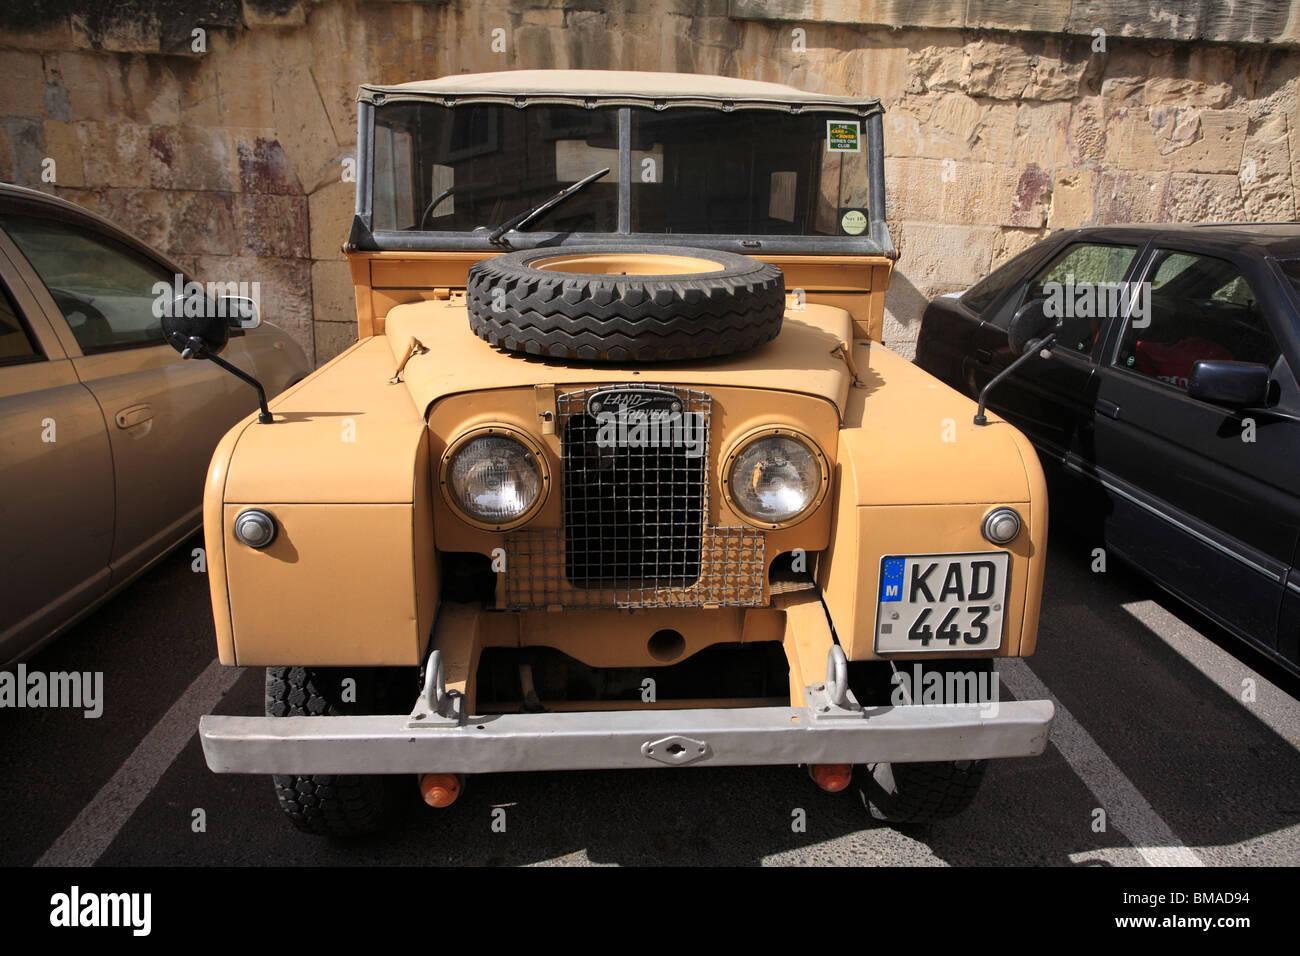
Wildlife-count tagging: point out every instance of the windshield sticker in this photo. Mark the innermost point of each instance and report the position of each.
(853, 221)
(843, 136)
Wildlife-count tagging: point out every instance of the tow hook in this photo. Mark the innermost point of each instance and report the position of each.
(440, 789)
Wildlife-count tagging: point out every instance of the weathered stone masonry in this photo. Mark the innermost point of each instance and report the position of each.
(1002, 123)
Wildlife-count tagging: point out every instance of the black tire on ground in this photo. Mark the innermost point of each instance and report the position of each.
(654, 310)
(918, 792)
(341, 805)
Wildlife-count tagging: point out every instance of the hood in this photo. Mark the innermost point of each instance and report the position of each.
(801, 359)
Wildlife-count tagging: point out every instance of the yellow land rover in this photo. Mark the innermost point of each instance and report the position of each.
(618, 473)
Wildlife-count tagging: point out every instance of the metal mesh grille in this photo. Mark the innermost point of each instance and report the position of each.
(635, 510)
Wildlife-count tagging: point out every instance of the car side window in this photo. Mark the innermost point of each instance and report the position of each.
(16, 345)
(981, 295)
(1082, 288)
(104, 289)
(1200, 307)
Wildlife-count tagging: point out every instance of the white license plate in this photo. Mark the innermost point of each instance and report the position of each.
(942, 603)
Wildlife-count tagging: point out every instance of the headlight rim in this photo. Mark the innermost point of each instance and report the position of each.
(504, 430)
(747, 438)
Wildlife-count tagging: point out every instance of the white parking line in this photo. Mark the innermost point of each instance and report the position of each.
(1272, 706)
(99, 822)
(1126, 809)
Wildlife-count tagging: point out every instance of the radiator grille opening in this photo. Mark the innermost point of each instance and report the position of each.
(635, 512)
(632, 514)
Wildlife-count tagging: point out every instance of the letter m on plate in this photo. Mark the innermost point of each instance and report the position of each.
(891, 579)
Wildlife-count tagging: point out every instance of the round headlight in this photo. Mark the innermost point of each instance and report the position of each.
(774, 478)
(492, 478)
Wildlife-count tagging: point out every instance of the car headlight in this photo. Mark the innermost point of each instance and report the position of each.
(775, 477)
(492, 478)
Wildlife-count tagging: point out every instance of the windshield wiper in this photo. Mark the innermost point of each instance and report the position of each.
(524, 218)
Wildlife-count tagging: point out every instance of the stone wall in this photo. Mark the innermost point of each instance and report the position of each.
(232, 157)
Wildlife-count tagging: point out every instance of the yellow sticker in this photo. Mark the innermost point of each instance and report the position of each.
(854, 222)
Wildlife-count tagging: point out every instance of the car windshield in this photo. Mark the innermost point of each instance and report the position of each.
(694, 171)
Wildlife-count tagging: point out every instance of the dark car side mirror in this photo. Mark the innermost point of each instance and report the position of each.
(1234, 384)
(200, 328)
(1028, 324)
(1029, 331)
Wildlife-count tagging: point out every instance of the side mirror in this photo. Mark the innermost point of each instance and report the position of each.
(199, 328)
(1234, 384)
(189, 319)
(241, 311)
(1029, 331)
(1028, 324)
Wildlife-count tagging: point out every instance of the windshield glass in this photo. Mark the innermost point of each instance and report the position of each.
(694, 171)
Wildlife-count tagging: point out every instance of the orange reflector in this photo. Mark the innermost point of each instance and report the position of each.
(831, 777)
(440, 789)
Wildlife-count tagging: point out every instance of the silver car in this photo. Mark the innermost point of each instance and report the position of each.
(105, 433)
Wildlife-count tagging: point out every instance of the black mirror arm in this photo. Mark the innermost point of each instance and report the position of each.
(194, 348)
(1033, 349)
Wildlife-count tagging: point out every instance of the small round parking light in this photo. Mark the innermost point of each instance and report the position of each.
(1001, 525)
(255, 528)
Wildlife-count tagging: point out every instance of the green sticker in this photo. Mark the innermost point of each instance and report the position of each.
(843, 136)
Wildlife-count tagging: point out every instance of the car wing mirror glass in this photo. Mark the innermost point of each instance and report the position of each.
(241, 312)
(1233, 384)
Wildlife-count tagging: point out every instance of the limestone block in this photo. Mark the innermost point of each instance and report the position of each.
(22, 76)
(1072, 198)
(330, 209)
(1266, 184)
(264, 14)
(22, 148)
(273, 225)
(203, 223)
(332, 292)
(115, 154)
(191, 157)
(1124, 196)
(263, 166)
(1193, 197)
(304, 128)
(333, 338)
(64, 147)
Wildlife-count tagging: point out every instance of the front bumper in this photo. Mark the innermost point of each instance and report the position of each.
(818, 734)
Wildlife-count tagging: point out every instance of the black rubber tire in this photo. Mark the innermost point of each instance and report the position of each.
(339, 805)
(919, 792)
(625, 318)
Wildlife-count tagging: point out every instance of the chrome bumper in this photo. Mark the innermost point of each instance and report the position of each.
(423, 743)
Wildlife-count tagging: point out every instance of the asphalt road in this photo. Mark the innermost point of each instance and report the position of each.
(1152, 729)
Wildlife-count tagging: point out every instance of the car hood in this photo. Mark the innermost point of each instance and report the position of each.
(802, 358)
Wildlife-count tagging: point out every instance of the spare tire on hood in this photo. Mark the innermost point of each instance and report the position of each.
(625, 303)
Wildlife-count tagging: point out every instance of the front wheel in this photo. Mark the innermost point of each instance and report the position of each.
(340, 805)
(919, 792)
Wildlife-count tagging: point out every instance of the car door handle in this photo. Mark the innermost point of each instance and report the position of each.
(1109, 409)
(134, 415)
(984, 356)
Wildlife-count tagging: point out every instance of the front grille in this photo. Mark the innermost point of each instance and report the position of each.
(635, 530)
